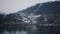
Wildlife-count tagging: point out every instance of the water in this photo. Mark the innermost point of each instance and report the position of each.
(32, 29)
(14, 32)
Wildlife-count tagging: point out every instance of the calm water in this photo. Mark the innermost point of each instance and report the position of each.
(33, 30)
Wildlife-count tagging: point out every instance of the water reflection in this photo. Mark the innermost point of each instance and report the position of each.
(33, 29)
(14, 32)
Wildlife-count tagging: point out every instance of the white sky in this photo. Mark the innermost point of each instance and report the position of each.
(10, 6)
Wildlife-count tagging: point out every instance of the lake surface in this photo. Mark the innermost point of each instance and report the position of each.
(31, 30)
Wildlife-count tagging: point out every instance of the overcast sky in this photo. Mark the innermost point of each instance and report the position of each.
(10, 6)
